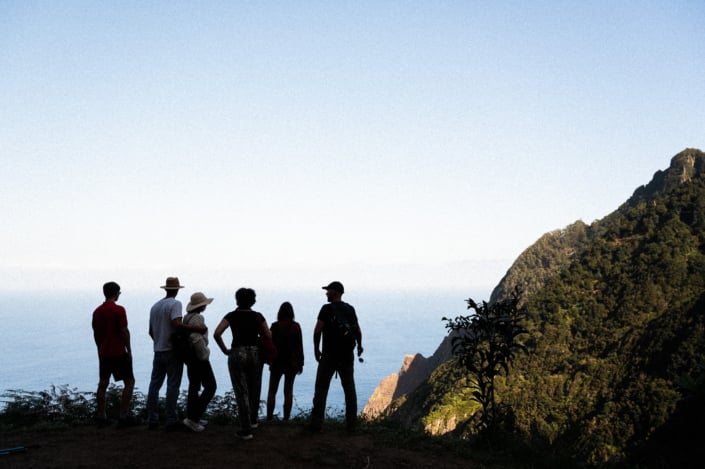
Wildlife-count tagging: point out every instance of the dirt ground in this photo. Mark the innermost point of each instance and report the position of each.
(275, 445)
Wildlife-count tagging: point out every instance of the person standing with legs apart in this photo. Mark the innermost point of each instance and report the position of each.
(164, 319)
(337, 323)
(112, 337)
(286, 335)
(199, 370)
(244, 357)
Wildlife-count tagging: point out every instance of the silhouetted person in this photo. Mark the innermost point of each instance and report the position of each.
(286, 335)
(112, 337)
(337, 323)
(199, 370)
(164, 319)
(244, 357)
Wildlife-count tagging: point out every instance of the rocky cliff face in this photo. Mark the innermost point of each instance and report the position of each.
(684, 166)
(414, 371)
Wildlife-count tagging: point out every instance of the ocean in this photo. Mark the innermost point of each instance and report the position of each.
(48, 338)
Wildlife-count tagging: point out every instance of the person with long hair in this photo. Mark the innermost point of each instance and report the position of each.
(289, 361)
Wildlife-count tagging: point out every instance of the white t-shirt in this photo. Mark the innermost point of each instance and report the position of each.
(160, 317)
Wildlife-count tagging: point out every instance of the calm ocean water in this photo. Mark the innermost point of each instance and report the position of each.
(48, 337)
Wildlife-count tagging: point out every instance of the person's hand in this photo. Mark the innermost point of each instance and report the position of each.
(201, 329)
(317, 355)
(359, 350)
(301, 370)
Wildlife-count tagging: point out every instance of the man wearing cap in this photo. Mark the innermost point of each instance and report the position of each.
(336, 356)
(164, 319)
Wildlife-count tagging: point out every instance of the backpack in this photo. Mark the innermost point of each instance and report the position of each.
(344, 327)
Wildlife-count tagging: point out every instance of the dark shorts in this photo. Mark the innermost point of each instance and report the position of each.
(119, 367)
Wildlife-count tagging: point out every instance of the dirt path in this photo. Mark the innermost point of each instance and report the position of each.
(276, 445)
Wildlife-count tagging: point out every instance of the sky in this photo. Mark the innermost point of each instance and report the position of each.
(386, 144)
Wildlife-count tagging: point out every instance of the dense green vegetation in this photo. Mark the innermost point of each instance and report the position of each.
(616, 318)
(616, 331)
(65, 406)
(486, 343)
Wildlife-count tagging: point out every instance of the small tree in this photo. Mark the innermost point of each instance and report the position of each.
(486, 343)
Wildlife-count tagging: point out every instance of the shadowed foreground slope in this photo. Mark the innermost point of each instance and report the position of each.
(275, 445)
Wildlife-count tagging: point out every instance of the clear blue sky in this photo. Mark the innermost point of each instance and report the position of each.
(386, 144)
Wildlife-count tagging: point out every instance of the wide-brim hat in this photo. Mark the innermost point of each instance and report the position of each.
(172, 283)
(198, 299)
(337, 286)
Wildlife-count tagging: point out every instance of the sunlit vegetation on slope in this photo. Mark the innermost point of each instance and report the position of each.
(615, 314)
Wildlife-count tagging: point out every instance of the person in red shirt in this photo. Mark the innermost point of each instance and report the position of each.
(112, 338)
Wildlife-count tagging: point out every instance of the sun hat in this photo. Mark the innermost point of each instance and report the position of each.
(198, 299)
(337, 286)
(172, 283)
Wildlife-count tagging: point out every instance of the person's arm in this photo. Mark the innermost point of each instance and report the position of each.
(126, 336)
(198, 341)
(218, 336)
(299, 348)
(264, 329)
(359, 341)
(317, 339)
(358, 330)
(178, 323)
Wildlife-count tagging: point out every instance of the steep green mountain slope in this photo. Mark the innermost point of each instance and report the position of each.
(616, 314)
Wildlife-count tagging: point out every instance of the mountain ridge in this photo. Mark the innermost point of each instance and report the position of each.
(616, 318)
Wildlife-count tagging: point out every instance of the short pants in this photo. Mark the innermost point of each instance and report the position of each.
(119, 367)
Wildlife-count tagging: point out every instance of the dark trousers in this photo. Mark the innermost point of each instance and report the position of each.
(245, 366)
(275, 375)
(327, 367)
(165, 365)
(200, 375)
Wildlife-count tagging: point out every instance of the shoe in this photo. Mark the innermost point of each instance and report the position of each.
(129, 421)
(203, 422)
(254, 425)
(243, 435)
(194, 426)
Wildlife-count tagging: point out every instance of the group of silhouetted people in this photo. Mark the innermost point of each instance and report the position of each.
(253, 345)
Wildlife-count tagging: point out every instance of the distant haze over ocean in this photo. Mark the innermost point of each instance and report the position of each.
(444, 275)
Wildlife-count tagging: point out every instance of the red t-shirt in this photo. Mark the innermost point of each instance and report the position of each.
(109, 319)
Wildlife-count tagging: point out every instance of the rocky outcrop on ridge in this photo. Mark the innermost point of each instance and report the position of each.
(415, 369)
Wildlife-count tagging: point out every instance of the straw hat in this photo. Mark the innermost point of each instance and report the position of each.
(198, 299)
